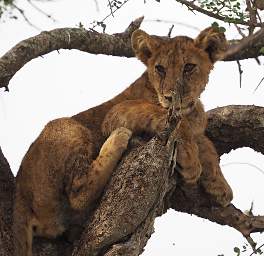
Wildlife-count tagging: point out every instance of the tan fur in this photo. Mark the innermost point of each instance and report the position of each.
(59, 178)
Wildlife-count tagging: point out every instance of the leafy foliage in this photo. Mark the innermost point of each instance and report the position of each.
(5, 5)
(232, 10)
(215, 25)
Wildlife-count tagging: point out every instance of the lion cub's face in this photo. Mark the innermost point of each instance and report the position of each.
(179, 67)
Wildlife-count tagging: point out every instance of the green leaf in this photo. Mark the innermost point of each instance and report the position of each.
(222, 29)
(237, 250)
(261, 50)
(215, 25)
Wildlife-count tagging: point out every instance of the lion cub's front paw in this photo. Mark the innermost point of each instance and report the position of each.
(219, 190)
(117, 141)
(189, 162)
(191, 174)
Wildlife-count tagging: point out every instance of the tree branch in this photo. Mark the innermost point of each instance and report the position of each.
(6, 206)
(101, 43)
(65, 38)
(232, 127)
(192, 6)
(248, 47)
(146, 168)
(195, 201)
(142, 188)
(133, 198)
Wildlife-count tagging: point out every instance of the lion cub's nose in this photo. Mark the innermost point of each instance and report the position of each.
(168, 98)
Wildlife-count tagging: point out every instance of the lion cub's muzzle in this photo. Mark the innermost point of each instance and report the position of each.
(178, 107)
(184, 110)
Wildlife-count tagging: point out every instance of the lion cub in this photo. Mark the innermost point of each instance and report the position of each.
(66, 169)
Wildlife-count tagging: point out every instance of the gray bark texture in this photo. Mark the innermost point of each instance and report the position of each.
(142, 188)
(6, 206)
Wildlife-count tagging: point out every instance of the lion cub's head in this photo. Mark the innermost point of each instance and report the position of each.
(179, 67)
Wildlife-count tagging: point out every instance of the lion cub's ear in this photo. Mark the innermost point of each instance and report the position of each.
(213, 42)
(143, 45)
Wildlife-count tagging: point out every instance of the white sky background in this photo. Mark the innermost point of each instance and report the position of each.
(72, 81)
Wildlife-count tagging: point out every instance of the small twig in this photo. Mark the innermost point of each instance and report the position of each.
(22, 12)
(41, 11)
(251, 209)
(110, 6)
(110, 14)
(252, 17)
(259, 84)
(240, 31)
(256, 250)
(132, 26)
(251, 243)
(96, 5)
(257, 13)
(170, 30)
(240, 73)
(257, 60)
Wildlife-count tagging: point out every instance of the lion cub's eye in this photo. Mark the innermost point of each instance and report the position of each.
(160, 70)
(189, 67)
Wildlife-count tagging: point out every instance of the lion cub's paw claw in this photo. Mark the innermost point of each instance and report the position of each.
(120, 137)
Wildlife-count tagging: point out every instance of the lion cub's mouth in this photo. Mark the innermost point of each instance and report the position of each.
(184, 110)
(180, 109)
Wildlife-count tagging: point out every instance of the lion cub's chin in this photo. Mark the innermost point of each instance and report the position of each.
(180, 110)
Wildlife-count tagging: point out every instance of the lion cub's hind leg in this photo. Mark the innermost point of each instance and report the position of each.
(85, 191)
(22, 228)
(212, 179)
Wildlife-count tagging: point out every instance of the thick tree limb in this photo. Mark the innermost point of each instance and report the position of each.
(107, 235)
(6, 207)
(142, 188)
(231, 127)
(99, 43)
(133, 198)
(195, 201)
(65, 38)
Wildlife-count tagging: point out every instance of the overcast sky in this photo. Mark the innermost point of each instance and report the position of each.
(72, 81)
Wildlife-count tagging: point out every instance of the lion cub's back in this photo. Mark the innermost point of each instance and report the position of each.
(43, 171)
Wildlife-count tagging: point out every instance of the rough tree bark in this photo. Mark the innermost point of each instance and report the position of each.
(142, 187)
(6, 205)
